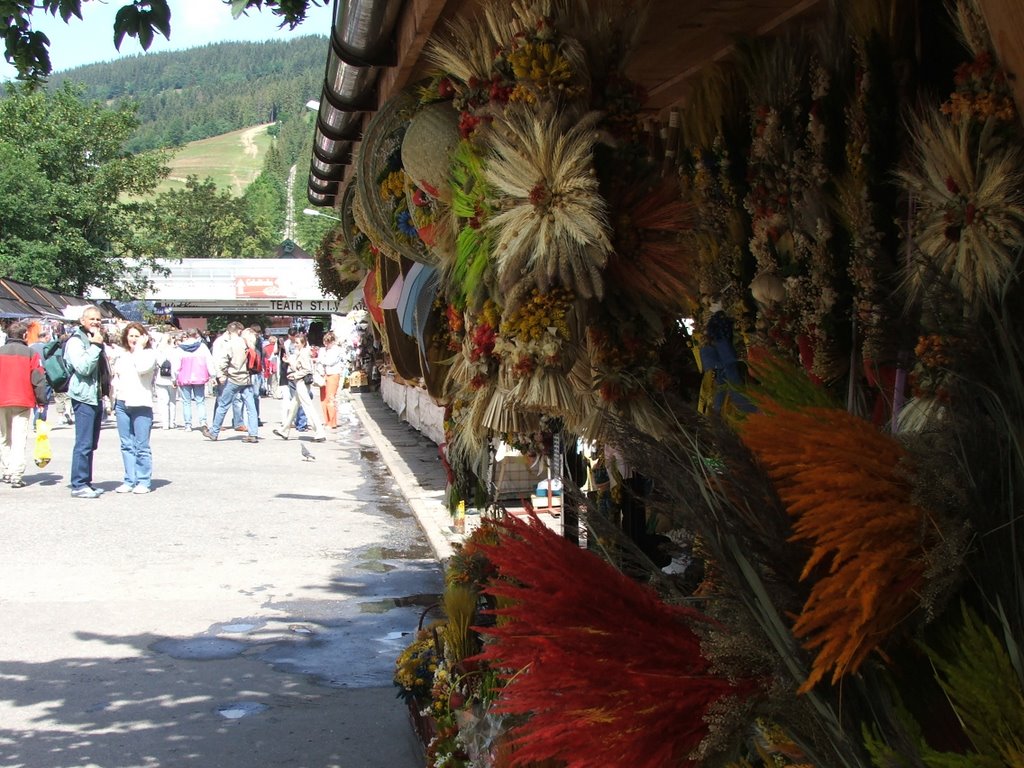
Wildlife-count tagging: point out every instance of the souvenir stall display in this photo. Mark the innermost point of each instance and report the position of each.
(779, 331)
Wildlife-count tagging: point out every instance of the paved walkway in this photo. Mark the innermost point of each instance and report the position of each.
(246, 613)
(415, 465)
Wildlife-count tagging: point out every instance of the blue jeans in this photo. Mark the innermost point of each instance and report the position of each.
(257, 390)
(227, 397)
(134, 423)
(39, 412)
(237, 417)
(193, 393)
(88, 419)
(236, 406)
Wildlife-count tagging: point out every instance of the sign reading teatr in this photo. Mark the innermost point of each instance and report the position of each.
(301, 305)
(297, 307)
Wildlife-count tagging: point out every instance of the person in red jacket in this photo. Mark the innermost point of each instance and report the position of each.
(22, 387)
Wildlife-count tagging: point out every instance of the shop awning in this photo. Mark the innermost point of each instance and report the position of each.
(19, 299)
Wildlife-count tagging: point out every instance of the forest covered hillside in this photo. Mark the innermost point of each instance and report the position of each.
(184, 96)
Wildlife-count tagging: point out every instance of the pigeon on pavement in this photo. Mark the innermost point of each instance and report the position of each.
(306, 455)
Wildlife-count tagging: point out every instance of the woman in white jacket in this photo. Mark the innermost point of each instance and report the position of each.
(300, 370)
(133, 369)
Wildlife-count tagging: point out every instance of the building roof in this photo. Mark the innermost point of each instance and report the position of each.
(18, 299)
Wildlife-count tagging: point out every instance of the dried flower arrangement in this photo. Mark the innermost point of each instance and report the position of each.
(826, 545)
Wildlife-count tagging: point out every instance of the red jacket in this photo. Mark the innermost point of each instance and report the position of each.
(22, 381)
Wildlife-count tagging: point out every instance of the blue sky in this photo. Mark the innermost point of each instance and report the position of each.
(193, 23)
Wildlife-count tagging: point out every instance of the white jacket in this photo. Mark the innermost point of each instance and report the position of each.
(133, 377)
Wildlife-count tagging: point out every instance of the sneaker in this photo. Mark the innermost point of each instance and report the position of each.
(97, 491)
(205, 432)
(138, 490)
(280, 434)
(124, 488)
(187, 427)
(85, 492)
(5, 479)
(17, 483)
(250, 439)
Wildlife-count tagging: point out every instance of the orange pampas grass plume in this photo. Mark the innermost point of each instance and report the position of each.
(607, 673)
(842, 482)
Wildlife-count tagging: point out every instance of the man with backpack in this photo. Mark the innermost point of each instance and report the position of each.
(90, 381)
(22, 387)
(233, 376)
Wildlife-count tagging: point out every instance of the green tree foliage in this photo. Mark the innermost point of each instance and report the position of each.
(309, 230)
(28, 49)
(265, 201)
(202, 222)
(64, 176)
(185, 96)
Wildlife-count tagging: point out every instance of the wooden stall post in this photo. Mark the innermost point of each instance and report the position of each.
(1005, 19)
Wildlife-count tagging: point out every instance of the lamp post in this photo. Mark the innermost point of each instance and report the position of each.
(315, 212)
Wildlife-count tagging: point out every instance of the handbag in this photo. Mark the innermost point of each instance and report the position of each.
(307, 379)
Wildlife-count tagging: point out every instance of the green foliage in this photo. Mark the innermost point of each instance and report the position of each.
(787, 384)
(64, 179)
(217, 323)
(470, 271)
(184, 96)
(202, 222)
(975, 672)
(265, 200)
(28, 49)
(328, 255)
(233, 161)
(980, 684)
(296, 145)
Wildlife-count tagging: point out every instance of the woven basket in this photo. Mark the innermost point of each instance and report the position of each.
(380, 153)
(348, 216)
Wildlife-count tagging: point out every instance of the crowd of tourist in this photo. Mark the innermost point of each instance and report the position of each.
(137, 375)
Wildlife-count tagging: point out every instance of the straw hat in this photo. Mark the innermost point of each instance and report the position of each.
(427, 148)
(380, 152)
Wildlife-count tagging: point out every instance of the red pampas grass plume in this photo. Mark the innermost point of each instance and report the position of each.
(607, 674)
(652, 261)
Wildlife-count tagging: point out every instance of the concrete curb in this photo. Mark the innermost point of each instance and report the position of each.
(427, 506)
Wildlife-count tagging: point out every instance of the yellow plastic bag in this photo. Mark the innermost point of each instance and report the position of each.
(42, 452)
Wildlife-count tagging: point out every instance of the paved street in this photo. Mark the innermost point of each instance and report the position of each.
(246, 613)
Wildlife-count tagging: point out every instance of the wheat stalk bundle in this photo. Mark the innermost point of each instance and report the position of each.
(551, 224)
(970, 196)
(466, 50)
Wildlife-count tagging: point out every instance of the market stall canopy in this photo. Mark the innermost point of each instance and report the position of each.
(377, 47)
(19, 299)
(287, 286)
